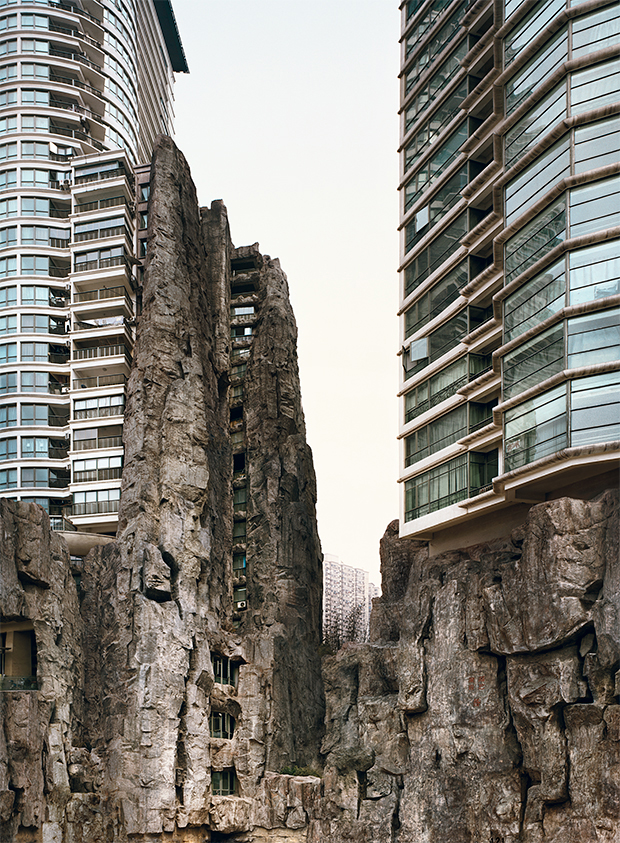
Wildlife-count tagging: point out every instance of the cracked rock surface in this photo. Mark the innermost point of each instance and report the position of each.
(485, 706)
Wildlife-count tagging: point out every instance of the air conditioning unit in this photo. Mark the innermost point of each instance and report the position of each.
(242, 605)
(65, 390)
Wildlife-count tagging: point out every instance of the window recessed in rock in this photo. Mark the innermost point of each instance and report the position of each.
(224, 782)
(225, 671)
(18, 656)
(221, 724)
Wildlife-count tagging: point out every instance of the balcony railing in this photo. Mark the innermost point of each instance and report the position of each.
(100, 204)
(101, 381)
(99, 412)
(67, 8)
(100, 351)
(76, 83)
(73, 56)
(94, 444)
(58, 522)
(102, 263)
(102, 293)
(58, 421)
(59, 271)
(104, 175)
(97, 474)
(93, 507)
(59, 213)
(78, 134)
(107, 322)
(58, 359)
(100, 233)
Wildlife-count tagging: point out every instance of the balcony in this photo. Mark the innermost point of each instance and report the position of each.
(92, 507)
(101, 351)
(103, 175)
(98, 382)
(101, 263)
(97, 474)
(101, 233)
(98, 324)
(101, 204)
(59, 523)
(95, 444)
(102, 293)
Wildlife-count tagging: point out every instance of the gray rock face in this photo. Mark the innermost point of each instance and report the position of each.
(482, 709)
(178, 695)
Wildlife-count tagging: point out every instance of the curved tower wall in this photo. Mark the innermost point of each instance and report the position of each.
(510, 327)
(84, 89)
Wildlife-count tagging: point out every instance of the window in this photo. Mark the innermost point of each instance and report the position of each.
(145, 192)
(102, 501)
(534, 361)
(225, 671)
(8, 98)
(224, 782)
(242, 310)
(101, 468)
(240, 597)
(595, 409)
(595, 206)
(436, 164)
(35, 265)
(8, 151)
(8, 448)
(594, 272)
(537, 179)
(538, 299)
(35, 382)
(8, 179)
(8, 296)
(8, 352)
(8, 237)
(534, 240)
(442, 201)
(595, 86)
(35, 71)
(45, 478)
(597, 144)
(596, 31)
(8, 382)
(525, 81)
(35, 97)
(594, 338)
(35, 123)
(533, 23)
(436, 435)
(8, 478)
(8, 47)
(239, 531)
(435, 489)
(8, 22)
(240, 497)
(8, 207)
(437, 299)
(35, 207)
(431, 258)
(42, 235)
(18, 656)
(239, 562)
(35, 149)
(8, 325)
(34, 414)
(535, 428)
(221, 724)
(8, 415)
(239, 331)
(91, 408)
(36, 352)
(7, 72)
(35, 447)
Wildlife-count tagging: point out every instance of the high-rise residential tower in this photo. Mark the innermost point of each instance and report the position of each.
(85, 87)
(510, 260)
(347, 601)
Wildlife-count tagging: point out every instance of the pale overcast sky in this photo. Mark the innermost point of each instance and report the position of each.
(289, 114)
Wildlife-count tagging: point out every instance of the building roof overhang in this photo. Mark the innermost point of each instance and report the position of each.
(170, 31)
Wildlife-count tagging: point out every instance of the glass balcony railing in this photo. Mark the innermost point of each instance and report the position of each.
(101, 351)
(101, 381)
(92, 444)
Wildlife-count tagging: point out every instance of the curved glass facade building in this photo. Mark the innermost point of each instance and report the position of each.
(85, 86)
(510, 259)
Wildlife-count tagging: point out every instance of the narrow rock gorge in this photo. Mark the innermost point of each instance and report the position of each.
(172, 683)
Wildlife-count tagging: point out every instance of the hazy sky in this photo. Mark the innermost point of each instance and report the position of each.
(289, 114)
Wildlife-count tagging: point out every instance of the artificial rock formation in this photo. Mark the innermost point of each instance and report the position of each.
(123, 748)
(484, 708)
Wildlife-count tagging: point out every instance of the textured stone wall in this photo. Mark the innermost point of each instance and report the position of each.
(485, 707)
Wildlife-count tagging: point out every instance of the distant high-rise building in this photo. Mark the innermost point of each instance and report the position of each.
(85, 86)
(510, 260)
(347, 601)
